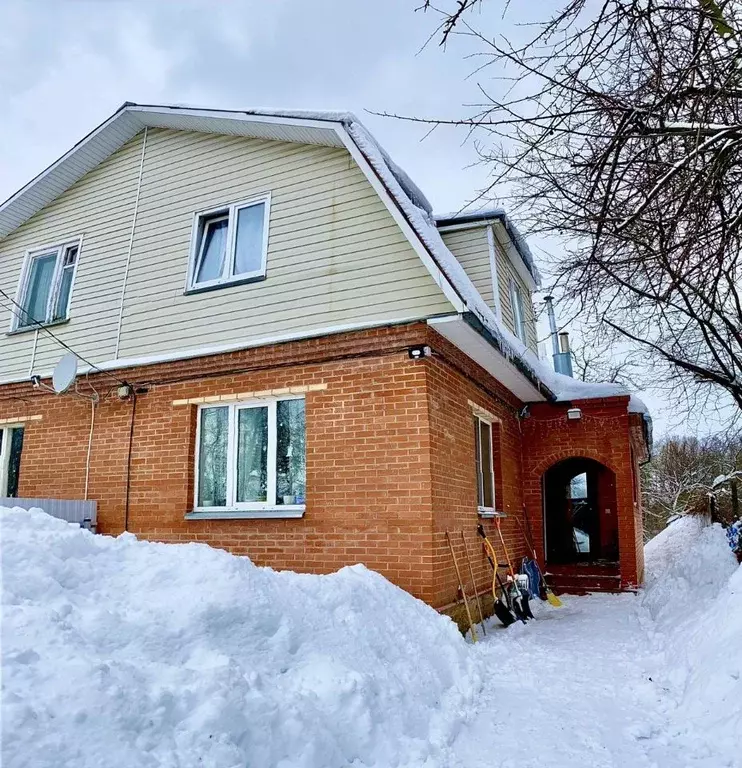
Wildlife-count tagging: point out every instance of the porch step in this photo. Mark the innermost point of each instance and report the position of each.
(581, 584)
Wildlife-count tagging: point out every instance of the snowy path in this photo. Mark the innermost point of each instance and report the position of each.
(573, 689)
(581, 686)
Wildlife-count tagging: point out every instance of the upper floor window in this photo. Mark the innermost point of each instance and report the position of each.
(46, 284)
(230, 244)
(519, 317)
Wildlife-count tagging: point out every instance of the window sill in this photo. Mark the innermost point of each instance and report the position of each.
(226, 284)
(488, 514)
(29, 328)
(274, 513)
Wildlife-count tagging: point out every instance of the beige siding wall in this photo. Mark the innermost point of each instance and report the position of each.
(471, 248)
(99, 208)
(505, 273)
(335, 254)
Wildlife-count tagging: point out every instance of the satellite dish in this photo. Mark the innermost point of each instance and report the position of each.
(65, 373)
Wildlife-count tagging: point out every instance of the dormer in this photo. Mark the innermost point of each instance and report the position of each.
(498, 262)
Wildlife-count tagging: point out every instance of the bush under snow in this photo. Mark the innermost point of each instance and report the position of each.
(118, 652)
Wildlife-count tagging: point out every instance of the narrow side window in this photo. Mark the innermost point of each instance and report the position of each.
(516, 301)
(484, 460)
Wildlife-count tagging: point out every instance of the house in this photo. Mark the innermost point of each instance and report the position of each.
(284, 353)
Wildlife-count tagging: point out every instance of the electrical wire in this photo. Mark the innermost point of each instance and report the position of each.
(53, 336)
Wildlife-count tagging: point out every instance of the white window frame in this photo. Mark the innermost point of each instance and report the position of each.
(516, 302)
(267, 508)
(18, 316)
(480, 474)
(231, 211)
(4, 459)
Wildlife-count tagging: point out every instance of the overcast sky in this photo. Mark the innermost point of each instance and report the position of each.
(66, 65)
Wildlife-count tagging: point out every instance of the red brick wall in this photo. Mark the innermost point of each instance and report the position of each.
(368, 459)
(390, 455)
(453, 381)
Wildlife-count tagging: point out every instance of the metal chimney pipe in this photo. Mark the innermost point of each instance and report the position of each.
(552, 323)
(559, 341)
(564, 342)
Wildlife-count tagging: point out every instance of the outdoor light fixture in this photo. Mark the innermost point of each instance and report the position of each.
(416, 353)
(574, 413)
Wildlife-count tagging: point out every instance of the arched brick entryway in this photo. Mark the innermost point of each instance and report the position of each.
(580, 517)
(601, 435)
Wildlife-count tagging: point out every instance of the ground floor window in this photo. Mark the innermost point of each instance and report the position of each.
(251, 455)
(484, 457)
(11, 446)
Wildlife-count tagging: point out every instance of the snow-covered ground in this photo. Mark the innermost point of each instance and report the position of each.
(124, 653)
(623, 680)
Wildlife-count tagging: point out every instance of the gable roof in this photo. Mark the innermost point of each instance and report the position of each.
(409, 206)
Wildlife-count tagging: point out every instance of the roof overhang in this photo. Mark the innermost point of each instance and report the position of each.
(508, 237)
(470, 336)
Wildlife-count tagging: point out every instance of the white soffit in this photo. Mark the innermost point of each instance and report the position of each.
(111, 135)
(463, 336)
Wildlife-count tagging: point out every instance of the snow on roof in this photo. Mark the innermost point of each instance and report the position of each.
(426, 226)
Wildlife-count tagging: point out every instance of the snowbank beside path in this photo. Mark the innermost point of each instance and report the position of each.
(694, 597)
(125, 653)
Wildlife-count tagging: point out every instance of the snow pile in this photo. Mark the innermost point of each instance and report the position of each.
(688, 562)
(694, 595)
(120, 652)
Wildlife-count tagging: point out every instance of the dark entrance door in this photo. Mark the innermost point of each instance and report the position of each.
(581, 522)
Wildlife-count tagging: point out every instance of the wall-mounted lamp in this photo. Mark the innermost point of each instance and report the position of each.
(416, 353)
(574, 413)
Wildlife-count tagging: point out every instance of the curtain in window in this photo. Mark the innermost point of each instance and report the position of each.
(248, 252)
(291, 480)
(213, 249)
(39, 286)
(212, 470)
(252, 454)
